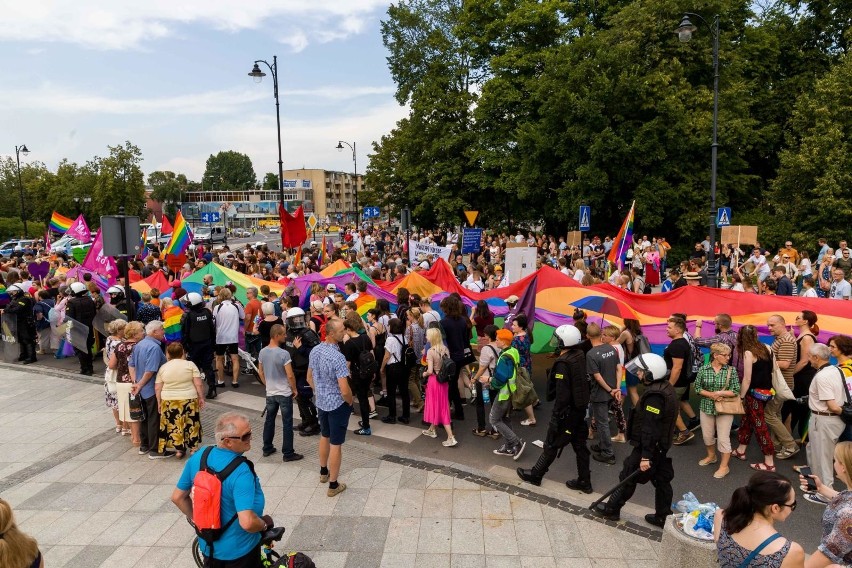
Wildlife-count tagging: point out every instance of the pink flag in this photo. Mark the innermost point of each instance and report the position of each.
(80, 230)
(98, 263)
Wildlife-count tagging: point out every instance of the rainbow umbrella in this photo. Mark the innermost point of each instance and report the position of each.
(605, 306)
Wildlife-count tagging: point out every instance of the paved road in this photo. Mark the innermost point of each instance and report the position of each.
(90, 500)
(803, 526)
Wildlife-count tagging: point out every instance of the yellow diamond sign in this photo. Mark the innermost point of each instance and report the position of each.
(312, 221)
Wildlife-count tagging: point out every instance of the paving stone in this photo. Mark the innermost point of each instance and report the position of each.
(500, 537)
(435, 536)
(467, 537)
(438, 503)
(432, 561)
(402, 535)
(90, 556)
(467, 561)
(466, 504)
(408, 503)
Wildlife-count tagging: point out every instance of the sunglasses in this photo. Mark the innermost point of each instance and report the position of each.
(792, 505)
(244, 438)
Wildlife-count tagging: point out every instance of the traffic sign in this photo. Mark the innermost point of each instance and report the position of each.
(371, 212)
(312, 221)
(723, 217)
(471, 217)
(585, 217)
(211, 217)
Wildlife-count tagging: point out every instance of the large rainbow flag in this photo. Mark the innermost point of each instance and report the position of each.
(59, 223)
(181, 236)
(623, 240)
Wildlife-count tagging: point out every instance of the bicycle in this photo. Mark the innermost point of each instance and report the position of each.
(267, 543)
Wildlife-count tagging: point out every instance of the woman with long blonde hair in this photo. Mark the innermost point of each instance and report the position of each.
(17, 550)
(437, 410)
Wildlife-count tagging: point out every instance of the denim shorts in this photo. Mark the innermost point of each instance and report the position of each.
(333, 423)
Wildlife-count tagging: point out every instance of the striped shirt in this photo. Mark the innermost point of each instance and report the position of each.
(327, 364)
(784, 349)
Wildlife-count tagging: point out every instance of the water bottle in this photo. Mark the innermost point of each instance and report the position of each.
(486, 395)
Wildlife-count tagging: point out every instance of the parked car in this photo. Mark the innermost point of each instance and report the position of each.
(9, 247)
(274, 229)
(239, 232)
(66, 243)
(210, 235)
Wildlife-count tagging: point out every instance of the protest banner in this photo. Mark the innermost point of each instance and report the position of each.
(415, 249)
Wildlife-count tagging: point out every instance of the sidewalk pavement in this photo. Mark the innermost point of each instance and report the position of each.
(90, 499)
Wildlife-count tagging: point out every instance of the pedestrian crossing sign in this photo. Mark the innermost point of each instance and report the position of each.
(723, 217)
(585, 217)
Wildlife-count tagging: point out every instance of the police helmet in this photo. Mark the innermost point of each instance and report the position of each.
(296, 318)
(565, 336)
(194, 299)
(117, 290)
(652, 366)
(78, 288)
(15, 289)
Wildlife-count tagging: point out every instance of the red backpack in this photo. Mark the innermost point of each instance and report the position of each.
(207, 498)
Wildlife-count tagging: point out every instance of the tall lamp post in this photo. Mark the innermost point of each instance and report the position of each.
(258, 76)
(684, 33)
(352, 146)
(22, 149)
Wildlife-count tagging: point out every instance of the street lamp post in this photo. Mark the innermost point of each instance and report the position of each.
(22, 149)
(258, 76)
(352, 147)
(81, 202)
(684, 33)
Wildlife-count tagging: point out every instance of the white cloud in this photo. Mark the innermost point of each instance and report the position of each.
(110, 25)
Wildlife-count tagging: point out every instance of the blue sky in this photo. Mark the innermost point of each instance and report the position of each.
(171, 77)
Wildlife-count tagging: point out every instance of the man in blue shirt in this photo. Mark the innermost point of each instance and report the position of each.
(239, 545)
(145, 360)
(328, 375)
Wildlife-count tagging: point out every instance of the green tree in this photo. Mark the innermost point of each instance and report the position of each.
(119, 182)
(229, 170)
(270, 182)
(167, 188)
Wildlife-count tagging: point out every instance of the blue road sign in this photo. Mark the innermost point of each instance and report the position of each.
(723, 217)
(211, 217)
(371, 212)
(585, 217)
(471, 241)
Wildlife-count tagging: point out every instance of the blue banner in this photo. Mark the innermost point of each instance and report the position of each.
(471, 241)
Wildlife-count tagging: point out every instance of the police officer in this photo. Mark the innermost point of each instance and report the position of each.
(81, 308)
(118, 300)
(568, 422)
(198, 335)
(21, 306)
(298, 343)
(650, 431)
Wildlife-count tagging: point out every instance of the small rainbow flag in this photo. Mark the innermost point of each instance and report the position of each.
(623, 240)
(59, 223)
(181, 236)
(171, 323)
(322, 254)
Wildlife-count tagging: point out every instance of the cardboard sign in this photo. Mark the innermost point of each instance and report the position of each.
(575, 238)
(739, 234)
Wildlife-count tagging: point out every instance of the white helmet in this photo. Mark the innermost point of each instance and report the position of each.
(566, 336)
(296, 318)
(194, 299)
(115, 290)
(653, 367)
(78, 288)
(15, 289)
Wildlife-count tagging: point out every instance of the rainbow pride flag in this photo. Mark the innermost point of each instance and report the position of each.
(623, 240)
(59, 223)
(171, 323)
(181, 236)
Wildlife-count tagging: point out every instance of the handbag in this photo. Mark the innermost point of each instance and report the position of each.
(467, 356)
(779, 384)
(846, 408)
(137, 408)
(729, 404)
(111, 378)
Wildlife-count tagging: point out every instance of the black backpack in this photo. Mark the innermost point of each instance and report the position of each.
(366, 362)
(448, 369)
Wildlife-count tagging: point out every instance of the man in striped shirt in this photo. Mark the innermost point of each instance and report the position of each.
(784, 353)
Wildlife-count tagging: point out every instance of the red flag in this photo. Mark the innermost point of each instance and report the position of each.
(293, 230)
(166, 227)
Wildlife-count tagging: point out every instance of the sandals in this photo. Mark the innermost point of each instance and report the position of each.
(708, 461)
(528, 422)
(739, 455)
(762, 466)
(480, 433)
(495, 435)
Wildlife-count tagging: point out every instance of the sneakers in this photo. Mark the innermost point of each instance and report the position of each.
(577, 485)
(528, 422)
(430, 433)
(323, 478)
(143, 450)
(363, 432)
(693, 424)
(450, 442)
(504, 450)
(816, 499)
(374, 414)
(609, 460)
(787, 453)
(518, 450)
(341, 487)
(164, 455)
(293, 457)
(683, 437)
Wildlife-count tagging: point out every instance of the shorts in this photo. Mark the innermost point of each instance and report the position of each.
(333, 423)
(683, 393)
(223, 348)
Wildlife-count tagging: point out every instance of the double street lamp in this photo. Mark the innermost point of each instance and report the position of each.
(684, 33)
(340, 148)
(258, 76)
(22, 149)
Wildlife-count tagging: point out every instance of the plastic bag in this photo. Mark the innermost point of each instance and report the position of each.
(695, 525)
(688, 504)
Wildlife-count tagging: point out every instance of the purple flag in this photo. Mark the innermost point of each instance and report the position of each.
(98, 263)
(525, 305)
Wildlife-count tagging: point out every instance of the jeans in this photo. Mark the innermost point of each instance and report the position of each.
(397, 381)
(499, 417)
(600, 412)
(253, 345)
(273, 403)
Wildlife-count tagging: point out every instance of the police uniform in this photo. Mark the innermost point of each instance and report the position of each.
(568, 421)
(299, 356)
(650, 431)
(198, 334)
(83, 310)
(21, 306)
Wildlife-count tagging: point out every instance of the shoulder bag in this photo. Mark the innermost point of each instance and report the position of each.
(846, 409)
(729, 404)
(779, 384)
(745, 563)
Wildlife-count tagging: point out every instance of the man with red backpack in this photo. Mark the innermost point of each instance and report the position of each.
(226, 502)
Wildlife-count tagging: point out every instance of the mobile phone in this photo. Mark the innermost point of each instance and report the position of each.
(805, 472)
